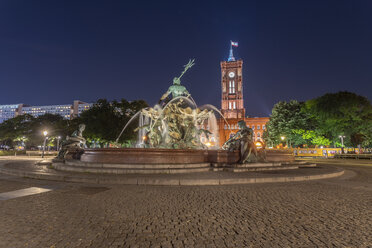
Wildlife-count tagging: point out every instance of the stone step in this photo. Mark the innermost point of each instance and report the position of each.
(73, 168)
(266, 168)
(135, 166)
(256, 165)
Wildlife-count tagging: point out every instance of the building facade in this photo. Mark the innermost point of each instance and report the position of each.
(9, 111)
(232, 102)
(67, 111)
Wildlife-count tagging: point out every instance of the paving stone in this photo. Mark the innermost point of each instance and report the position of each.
(324, 213)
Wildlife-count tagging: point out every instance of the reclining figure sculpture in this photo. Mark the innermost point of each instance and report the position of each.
(74, 142)
(243, 142)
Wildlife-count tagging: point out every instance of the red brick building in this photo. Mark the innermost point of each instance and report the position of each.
(232, 102)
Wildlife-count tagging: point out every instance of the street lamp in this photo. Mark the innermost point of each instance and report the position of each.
(45, 139)
(342, 142)
(283, 138)
(58, 138)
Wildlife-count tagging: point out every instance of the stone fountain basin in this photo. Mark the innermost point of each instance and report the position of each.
(171, 156)
(154, 161)
(143, 156)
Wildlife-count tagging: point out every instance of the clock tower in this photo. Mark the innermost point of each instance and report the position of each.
(232, 104)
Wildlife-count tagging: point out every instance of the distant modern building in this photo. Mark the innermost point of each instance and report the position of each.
(9, 111)
(232, 102)
(67, 111)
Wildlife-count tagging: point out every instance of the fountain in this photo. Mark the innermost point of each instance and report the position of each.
(174, 136)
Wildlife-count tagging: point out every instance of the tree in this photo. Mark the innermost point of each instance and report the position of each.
(15, 129)
(105, 120)
(311, 138)
(28, 129)
(342, 113)
(285, 117)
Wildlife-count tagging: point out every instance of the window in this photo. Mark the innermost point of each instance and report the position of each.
(232, 87)
(234, 106)
(229, 105)
(263, 127)
(258, 127)
(252, 127)
(225, 126)
(258, 135)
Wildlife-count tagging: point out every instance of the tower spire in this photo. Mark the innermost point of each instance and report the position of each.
(231, 55)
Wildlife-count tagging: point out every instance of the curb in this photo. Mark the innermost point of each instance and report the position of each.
(168, 182)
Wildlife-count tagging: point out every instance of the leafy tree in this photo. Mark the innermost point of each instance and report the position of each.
(311, 138)
(12, 130)
(342, 113)
(29, 130)
(105, 120)
(285, 117)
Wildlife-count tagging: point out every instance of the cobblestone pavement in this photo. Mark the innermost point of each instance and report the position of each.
(324, 213)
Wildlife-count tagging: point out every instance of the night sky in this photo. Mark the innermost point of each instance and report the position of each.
(53, 52)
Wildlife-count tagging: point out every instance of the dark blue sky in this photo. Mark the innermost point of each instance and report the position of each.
(52, 52)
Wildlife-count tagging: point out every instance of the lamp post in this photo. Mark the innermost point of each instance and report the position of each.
(58, 138)
(283, 138)
(342, 143)
(45, 139)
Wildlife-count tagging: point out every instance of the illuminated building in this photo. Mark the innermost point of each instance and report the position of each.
(232, 102)
(67, 111)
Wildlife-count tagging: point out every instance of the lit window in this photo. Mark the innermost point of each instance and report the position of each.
(232, 87)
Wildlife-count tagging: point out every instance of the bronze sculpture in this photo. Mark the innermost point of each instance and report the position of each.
(243, 142)
(74, 142)
(177, 89)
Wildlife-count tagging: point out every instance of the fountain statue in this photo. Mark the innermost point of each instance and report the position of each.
(175, 122)
(177, 89)
(74, 142)
(243, 142)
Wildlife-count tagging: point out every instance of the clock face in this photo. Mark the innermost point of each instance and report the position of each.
(231, 74)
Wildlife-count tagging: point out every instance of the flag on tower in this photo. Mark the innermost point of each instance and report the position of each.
(235, 44)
